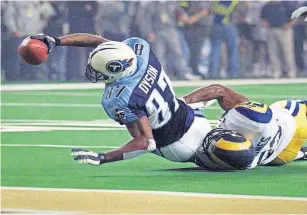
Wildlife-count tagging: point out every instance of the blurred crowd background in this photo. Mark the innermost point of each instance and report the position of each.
(193, 39)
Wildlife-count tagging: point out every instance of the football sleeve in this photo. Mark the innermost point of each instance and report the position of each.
(121, 112)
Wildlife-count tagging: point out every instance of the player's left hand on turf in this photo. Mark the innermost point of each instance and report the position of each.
(50, 42)
(302, 11)
(87, 156)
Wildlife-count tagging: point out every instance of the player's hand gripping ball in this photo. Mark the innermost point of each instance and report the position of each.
(300, 12)
(33, 51)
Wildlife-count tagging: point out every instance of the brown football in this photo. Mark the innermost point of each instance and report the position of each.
(33, 51)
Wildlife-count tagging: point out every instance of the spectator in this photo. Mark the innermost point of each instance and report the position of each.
(276, 17)
(134, 8)
(22, 19)
(81, 19)
(198, 31)
(4, 40)
(245, 37)
(299, 32)
(259, 47)
(159, 27)
(224, 30)
(112, 20)
(181, 33)
(57, 26)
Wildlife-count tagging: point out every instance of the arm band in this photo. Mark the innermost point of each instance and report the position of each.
(57, 41)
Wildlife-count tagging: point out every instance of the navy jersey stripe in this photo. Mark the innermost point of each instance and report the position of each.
(296, 109)
(199, 115)
(255, 116)
(288, 104)
(303, 102)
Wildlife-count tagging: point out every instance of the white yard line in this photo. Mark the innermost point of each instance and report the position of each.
(5, 129)
(67, 105)
(67, 86)
(167, 193)
(50, 105)
(24, 125)
(275, 96)
(69, 123)
(46, 128)
(58, 146)
(55, 93)
(99, 95)
(99, 121)
(76, 124)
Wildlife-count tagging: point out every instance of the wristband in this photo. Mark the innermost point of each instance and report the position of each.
(57, 41)
(102, 158)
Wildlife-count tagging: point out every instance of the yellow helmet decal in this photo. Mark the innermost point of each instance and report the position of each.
(233, 146)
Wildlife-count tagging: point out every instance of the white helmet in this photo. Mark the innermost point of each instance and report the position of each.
(111, 61)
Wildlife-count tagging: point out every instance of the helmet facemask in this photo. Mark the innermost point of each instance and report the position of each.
(94, 75)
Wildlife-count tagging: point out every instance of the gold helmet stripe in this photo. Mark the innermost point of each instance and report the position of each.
(227, 145)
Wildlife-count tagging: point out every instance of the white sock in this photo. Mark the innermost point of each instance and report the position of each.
(300, 155)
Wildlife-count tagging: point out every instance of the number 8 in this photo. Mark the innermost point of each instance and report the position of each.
(138, 49)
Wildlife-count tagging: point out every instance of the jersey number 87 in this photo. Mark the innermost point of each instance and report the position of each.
(161, 102)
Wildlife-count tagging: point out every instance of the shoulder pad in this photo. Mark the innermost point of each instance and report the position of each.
(255, 111)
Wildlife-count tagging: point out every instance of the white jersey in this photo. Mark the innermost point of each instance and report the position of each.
(269, 129)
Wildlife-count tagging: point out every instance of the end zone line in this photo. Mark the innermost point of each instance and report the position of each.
(169, 193)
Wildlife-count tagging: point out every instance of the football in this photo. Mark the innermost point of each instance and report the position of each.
(33, 51)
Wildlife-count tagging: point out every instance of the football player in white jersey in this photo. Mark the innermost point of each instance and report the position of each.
(270, 135)
(139, 94)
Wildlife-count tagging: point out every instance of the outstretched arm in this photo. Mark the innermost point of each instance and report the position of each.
(78, 39)
(81, 40)
(300, 12)
(226, 97)
(141, 143)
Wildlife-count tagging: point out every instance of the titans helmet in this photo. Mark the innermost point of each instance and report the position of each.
(111, 61)
(225, 150)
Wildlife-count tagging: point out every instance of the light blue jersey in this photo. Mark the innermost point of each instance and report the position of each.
(148, 92)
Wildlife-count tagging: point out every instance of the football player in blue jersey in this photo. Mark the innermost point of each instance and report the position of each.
(138, 94)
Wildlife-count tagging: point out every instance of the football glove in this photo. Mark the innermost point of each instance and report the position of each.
(50, 42)
(87, 156)
(302, 11)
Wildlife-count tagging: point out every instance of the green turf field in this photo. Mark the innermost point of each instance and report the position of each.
(68, 118)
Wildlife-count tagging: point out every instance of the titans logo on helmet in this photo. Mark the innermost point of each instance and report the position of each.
(116, 66)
